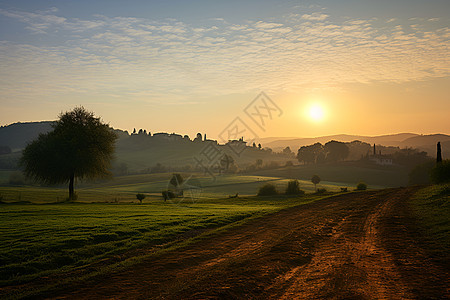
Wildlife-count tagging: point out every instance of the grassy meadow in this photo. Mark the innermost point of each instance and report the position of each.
(106, 228)
(48, 239)
(431, 207)
(124, 188)
(44, 235)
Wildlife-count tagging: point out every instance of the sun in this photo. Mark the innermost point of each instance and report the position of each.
(316, 112)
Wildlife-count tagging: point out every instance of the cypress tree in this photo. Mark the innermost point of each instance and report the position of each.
(439, 153)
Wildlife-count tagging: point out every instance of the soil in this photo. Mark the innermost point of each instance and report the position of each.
(351, 246)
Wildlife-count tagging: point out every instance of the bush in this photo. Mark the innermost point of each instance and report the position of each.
(321, 190)
(140, 197)
(441, 172)
(293, 188)
(361, 186)
(344, 189)
(267, 190)
(167, 195)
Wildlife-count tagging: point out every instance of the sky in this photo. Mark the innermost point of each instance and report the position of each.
(278, 68)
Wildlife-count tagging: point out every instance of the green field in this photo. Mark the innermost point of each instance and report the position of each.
(42, 235)
(345, 174)
(124, 188)
(431, 207)
(46, 239)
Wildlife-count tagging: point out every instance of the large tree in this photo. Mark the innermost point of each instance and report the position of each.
(310, 154)
(336, 151)
(80, 146)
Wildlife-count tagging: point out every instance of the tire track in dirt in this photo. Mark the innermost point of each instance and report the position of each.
(333, 248)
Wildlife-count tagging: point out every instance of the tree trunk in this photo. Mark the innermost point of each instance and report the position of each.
(71, 192)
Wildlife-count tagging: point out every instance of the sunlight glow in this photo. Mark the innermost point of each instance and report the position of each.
(316, 112)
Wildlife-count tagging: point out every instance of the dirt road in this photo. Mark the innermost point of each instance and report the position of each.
(356, 246)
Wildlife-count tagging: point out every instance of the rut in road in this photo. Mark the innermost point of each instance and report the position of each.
(334, 248)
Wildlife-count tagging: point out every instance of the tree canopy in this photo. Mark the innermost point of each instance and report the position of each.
(80, 146)
(315, 179)
(310, 154)
(336, 151)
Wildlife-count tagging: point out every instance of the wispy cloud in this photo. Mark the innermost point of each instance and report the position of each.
(315, 16)
(128, 57)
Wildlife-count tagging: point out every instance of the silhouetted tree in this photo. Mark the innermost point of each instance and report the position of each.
(336, 151)
(134, 131)
(310, 154)
(287, 151)
(198, 137)
(315, 179)
(140, 197)
(140, 131)
(254, 145)
(439, 153)
(226, 161)
(80, 146)
(176, 180)
(259, 146)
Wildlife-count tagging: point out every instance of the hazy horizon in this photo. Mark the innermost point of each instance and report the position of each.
(353, 67)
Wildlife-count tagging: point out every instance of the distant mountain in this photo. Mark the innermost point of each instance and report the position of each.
(295, 143)
(17, 135)
(422, 140)
(428, 143)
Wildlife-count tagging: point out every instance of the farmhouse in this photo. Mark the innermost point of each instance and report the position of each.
(380, 159)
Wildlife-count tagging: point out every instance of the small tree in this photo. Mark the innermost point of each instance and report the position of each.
(140, 197)
(167, 195)
(176, 180)
(80, 146)
(315, 179)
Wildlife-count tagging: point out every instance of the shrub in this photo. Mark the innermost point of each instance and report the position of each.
(321, 190)
(267, 190)
(344, 189)
(361, 186)
(140, 197)
(167, 195)
(293, 188)
(441, 172)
